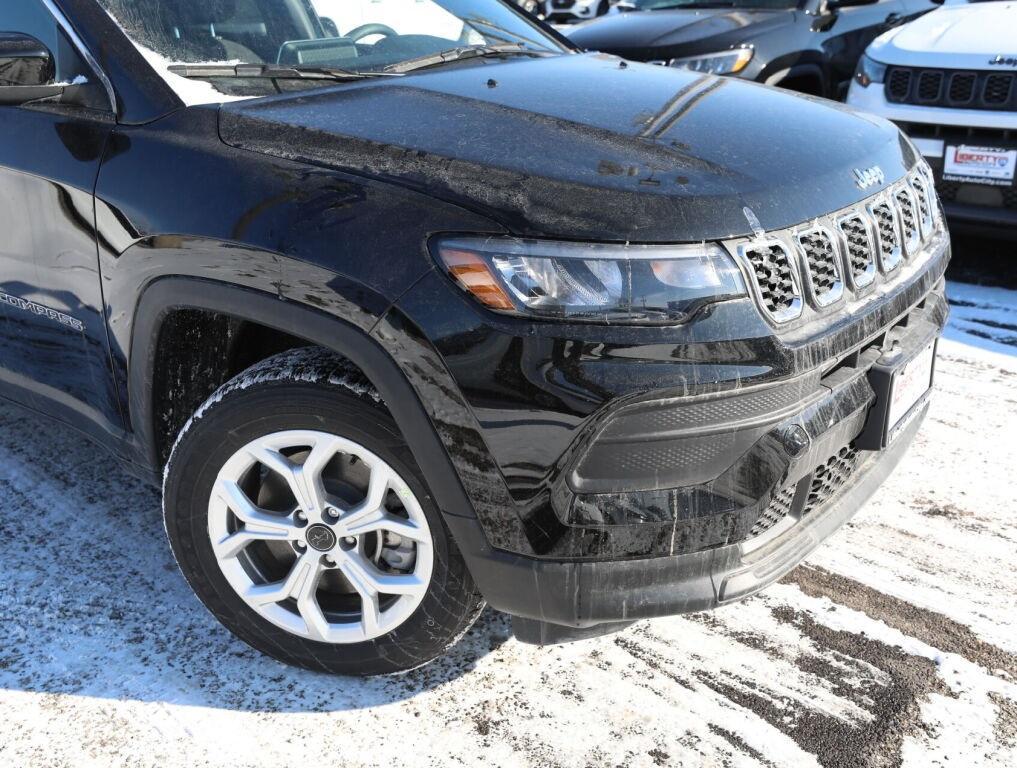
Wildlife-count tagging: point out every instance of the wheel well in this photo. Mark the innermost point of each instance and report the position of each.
(811, 84)
(197, 351)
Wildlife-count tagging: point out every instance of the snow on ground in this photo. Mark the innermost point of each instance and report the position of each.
(895, 644)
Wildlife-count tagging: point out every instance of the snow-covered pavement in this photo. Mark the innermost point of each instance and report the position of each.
(895, 644)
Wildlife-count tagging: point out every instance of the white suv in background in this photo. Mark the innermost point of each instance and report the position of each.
(949, 79)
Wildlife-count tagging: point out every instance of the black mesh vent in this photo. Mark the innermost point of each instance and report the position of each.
(898, 84)
(772, 269)
(776, 510)
(887, 228)
(907, 215)
(829, 477)
(930, 83)
(997, 89)
(822, 260)
(962, 87)
(859, 249)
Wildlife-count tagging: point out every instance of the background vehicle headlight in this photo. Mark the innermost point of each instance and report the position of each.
(869, 71)
(633, 284)
(724, 63)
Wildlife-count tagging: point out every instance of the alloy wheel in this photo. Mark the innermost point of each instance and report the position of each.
(320, 536)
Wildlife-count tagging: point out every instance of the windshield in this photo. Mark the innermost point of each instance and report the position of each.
(355, 36)
(657, 5)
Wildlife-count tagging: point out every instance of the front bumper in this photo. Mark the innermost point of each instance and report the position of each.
(811, 494)
(554, 602)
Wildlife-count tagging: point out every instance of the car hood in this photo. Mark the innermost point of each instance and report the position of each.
(957, 37)
(585, 146)
(646, 35)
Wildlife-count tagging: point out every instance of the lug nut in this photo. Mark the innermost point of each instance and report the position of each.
(332, 512)
(330, 561)
(350, 540)
(299, 546)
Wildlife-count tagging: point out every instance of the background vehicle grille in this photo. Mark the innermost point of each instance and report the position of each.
(951, 88)
(822, 260)
(829, 477)
(772, 270)
(778, 508)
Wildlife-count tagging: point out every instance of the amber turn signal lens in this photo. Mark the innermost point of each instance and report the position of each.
(474, 274)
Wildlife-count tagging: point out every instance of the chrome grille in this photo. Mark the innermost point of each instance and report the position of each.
(858, 248)
(822, 261)
(774, 278)
(844, 252)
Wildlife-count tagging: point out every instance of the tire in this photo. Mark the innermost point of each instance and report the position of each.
(306, 613)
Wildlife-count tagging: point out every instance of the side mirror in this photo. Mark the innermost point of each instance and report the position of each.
(27, 71)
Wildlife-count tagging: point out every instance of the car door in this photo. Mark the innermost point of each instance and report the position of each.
(54, 351)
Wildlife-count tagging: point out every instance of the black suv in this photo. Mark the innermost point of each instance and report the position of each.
(811, 46)
(401, 333)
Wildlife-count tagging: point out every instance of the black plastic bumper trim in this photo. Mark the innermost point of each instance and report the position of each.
(585, 594)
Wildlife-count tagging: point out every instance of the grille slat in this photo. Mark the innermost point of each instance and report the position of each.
(771, 266)
(951, 88)
(997, 89)
(859, 249)
(909, 222)
(889, 238)
(930, 85)
(962, 87)
(821, 258)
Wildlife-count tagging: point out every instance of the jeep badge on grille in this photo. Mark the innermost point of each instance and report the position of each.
(868, 177)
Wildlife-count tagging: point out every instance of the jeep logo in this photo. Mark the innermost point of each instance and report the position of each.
(869, 177)
(1003, 61)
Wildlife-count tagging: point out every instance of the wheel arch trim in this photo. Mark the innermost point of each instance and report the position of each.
(168, 294)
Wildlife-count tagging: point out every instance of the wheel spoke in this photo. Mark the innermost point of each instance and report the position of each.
(232, 545)
(361, 571)
(277, 591)
(370, 604)
(380, 520)
(373, 503)
(304, 481)
(248, 513)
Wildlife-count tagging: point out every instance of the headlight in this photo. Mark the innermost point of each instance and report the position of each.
(869, 71)
(634, 284)
(725, 63)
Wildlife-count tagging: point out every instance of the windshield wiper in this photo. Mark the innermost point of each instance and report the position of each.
(271, 72)
(464, 52)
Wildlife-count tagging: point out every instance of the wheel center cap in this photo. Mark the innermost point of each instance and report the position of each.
(321, 537)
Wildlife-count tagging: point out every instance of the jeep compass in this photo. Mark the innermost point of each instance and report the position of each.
(412, 307)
